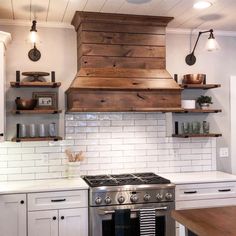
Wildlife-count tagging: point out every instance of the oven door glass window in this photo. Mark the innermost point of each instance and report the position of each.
(108, 226)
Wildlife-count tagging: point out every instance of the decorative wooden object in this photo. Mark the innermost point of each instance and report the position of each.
(121, 63)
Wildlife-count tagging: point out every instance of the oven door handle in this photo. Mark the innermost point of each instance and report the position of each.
(132, 210)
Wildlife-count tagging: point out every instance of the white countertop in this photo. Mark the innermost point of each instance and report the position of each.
(78, 184)
(199, 177)
(42, 185)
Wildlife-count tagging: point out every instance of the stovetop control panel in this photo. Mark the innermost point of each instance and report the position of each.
(104, 198)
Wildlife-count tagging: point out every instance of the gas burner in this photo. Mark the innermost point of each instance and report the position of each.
(155, 179)
(102, 182)
(91, 177)
(122, 176)
(124, 179)
(129, 181)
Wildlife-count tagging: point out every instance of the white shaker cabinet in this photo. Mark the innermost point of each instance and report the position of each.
(202, 195)
(73, 222)
(62, 213)
(43, 223)
(13, 215)
(4, 40)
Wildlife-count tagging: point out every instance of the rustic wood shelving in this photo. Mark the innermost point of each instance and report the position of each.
(56, 138)
(199, 111)
(35, 84)
(199, 86)
(195, 135)
(36, 111)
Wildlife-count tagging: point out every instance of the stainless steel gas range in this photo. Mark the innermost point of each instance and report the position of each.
(109, 194)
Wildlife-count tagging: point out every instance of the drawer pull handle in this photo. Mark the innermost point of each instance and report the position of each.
(58, 200)
(190, 192)
(54, 217)
(22, 202)
(224, 190)
(62, 217)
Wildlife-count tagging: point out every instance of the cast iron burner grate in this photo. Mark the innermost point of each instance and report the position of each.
(124, 179)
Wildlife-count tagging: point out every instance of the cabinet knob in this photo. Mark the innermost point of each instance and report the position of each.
(54, 217)
(22, 202)
(62, 217)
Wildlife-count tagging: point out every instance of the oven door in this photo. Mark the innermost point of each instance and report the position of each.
(101, 222)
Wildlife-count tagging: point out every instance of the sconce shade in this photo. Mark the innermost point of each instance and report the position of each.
(34, 54)
(211, 45)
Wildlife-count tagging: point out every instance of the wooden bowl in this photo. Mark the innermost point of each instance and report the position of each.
(25, 104)
(193, 78)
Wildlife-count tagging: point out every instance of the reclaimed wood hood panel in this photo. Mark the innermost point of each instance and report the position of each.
(121, 64)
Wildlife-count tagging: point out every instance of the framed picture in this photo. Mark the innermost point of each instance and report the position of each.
(46, 100)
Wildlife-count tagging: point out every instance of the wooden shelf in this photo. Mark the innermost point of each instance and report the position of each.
(199, 86)
(195, 135)
(163, 110)
(199, 111)
(36, 111)
(57, 138)
(35, 84)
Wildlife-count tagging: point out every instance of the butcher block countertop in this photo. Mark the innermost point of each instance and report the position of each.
(216, 221)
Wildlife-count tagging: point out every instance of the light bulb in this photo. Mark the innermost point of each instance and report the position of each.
(33, 36)
(202, 5)
(212, 45)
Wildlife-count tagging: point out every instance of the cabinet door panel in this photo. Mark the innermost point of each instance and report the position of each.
(43, 223)
(13, 215)
(73, 222)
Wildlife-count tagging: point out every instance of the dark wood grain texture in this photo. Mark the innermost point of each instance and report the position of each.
(121, 51)
(121, 28)
(217, 221)
(35, 84)
(121, 64)
(91, 100)
(93, 17)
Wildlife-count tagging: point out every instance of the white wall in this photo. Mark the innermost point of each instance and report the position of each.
(218, 66)
(58, 53)
(58, 48)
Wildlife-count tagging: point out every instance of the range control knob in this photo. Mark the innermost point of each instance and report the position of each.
(121, 199)
(169, 196)
(107, 200)
(98, 200)
(159, 196)
(133, 198)
(146, 197)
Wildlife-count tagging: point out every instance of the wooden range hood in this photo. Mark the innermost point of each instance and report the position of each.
(121, 65)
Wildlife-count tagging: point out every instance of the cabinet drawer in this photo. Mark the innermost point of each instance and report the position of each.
(205, 191)
(57, 200)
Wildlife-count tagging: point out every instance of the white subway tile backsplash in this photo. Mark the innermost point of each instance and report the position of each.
(112, 143)
(20, 150)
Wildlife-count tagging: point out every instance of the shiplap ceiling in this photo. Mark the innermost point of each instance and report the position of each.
(220, 16)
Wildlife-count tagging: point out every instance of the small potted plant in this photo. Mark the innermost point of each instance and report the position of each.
(204, 101)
